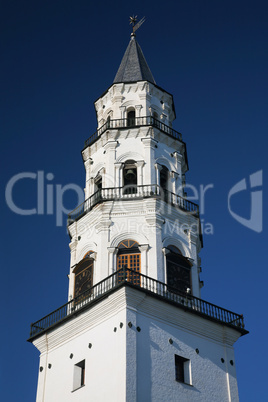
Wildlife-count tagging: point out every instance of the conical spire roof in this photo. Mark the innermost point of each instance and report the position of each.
(133, 66)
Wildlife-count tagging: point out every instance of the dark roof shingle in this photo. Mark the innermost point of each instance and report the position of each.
(133, 66)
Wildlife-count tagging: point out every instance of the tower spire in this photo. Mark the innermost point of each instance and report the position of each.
(133, 66)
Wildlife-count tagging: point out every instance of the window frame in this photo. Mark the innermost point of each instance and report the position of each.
(79, 375)
(182, 365)
(130, 185)
(87, 259)
(175, 260)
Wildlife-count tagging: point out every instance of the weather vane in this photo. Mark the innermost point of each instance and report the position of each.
(132, 21)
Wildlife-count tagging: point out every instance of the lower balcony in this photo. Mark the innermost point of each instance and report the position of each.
(132, 192)
(160, 290)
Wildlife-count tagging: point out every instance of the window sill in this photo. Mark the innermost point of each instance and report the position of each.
(76, 389)
(185, 383)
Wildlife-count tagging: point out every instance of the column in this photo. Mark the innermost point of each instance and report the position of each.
(88, 164)
(123, 110)
(102, 228)
(71, 276)
(144, 261)
(110, 148)
(140, 165)
(178, 159)
(165, 253)
(138, 114)
(118, 176)
(112, 251)
(193, 238)
(149, 156)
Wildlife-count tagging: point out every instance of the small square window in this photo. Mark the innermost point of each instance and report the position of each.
(182, 369)
(79, 375)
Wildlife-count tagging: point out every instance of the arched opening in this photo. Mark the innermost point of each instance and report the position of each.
(108, 121)
(98, 182)
(129, 257)
(156, 119)
(83, 277)
(130, 177)
(178, 271)
(164, 173)
(164, 177)
(131, 118)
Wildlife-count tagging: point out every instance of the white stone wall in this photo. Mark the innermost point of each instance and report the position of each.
(128, 365)
(144, 97)
(109, 223)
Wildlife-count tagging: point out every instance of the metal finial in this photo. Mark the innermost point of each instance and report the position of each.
(132, 21)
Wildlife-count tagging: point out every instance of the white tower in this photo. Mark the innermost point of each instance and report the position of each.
(135, 327)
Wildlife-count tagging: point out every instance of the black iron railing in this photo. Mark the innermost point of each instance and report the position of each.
(130, 123)
(153, 287)
(128, 193)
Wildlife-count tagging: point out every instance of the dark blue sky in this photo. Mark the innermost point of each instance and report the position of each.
(58, 57)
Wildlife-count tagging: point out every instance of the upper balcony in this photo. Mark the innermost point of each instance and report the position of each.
(143, 283)
(132, 192)
(134, 122)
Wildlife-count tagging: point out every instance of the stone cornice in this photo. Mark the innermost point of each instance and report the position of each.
(149, 142)
(103, 224)
(155, 220)
(110, 145)
(144, 304)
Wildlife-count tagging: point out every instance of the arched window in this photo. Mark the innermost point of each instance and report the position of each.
(108, 121)
(83, 276)
(130, 177)
(98, 182)
(131, 118)
(129, 257)
(164, 183)
(156, 119)
(178, 270)
(164, 177)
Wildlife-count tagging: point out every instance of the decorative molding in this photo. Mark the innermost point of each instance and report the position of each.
(155, 220)
(96, 169)
(143, 247)
(173, 241)
(166, 251)
(193, 237)
(85, 249)
(103, 225)
(110, 145)
(138, 237)
(149, 142)
(129, 299)
(129, 155)
(164, 161)
(73, 245)
(112, 250)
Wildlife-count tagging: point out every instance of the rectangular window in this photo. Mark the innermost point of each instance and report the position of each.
(79, 375)
(182, 370)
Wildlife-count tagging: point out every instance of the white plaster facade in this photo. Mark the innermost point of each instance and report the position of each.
(123, 364)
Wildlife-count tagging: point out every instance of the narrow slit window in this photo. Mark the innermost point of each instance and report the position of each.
(79, 375)
(182, 370)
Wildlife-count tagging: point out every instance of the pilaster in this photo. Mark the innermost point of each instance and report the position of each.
(149, 156)
(140, 165)
(110, 149)
(144, 260)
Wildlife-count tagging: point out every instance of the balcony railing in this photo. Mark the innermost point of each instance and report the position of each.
(129, 193)
(139, 281)
(131, 123)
